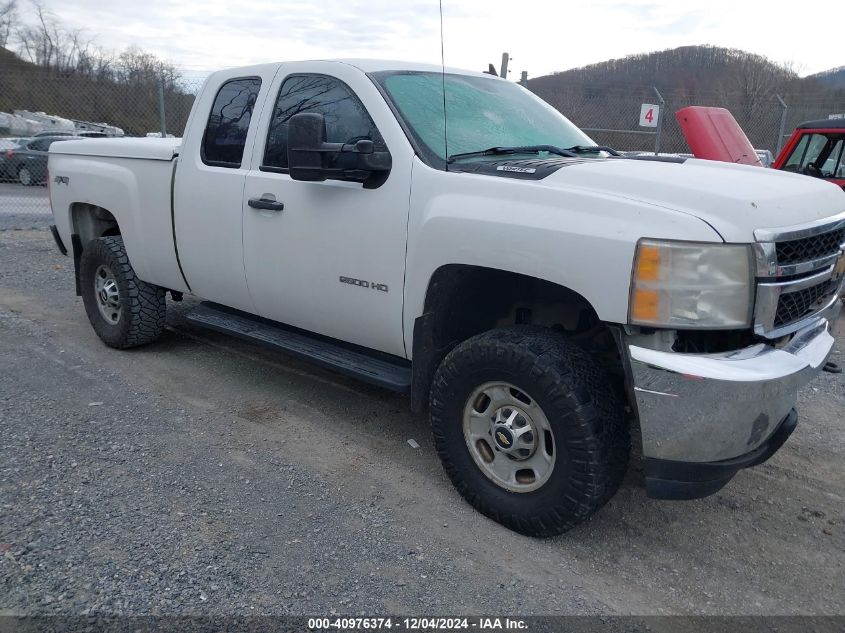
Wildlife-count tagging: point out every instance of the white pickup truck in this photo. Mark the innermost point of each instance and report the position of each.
(543, 298)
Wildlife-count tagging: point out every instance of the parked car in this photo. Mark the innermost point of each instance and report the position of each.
(766, 157)
(532, 291)
(816, 149)
(28, 163)
(44, 133)
(7, 147)
(76, 133)
(7, 141)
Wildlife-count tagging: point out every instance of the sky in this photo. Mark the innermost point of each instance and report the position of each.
(542, 36)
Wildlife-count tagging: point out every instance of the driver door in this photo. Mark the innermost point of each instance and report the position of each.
(330, 256)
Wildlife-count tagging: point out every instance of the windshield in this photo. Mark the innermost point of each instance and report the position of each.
(818, 155)
(482, 113)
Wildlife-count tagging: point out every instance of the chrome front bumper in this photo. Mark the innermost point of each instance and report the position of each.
(706, 408)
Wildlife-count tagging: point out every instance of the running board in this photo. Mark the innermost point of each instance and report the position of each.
(393, 375)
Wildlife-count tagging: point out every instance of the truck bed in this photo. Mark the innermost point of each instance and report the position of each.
(131, 178)
(145, 148)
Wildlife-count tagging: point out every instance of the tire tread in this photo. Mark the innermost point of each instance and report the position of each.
(144, 305)
(583, 400)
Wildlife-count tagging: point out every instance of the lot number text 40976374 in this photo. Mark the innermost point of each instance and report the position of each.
(417, 624)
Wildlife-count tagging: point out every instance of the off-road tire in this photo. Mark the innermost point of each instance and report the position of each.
(583, 408)
(143, 305)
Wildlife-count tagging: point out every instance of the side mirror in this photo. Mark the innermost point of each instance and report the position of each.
(306, 137)
(312, 159)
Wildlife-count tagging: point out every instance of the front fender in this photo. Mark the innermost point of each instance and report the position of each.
(573, 237)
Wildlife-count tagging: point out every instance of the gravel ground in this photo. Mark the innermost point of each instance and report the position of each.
(206, 476)
(23, 207)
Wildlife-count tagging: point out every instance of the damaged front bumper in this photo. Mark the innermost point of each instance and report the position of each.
(705, 416)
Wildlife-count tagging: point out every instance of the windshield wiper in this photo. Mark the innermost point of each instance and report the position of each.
(592, 149)
(520, 149)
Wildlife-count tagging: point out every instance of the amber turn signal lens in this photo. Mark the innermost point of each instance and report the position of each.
(645, 306)
(648, 263)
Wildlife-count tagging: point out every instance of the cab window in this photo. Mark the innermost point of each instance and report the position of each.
(806, 153)
(346, 118)
(228, 122)
(794, 161)
(817, 155)
(832, 165)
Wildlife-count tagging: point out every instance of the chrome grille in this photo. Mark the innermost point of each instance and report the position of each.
(794, 306)
(809, 248)
(799, 274)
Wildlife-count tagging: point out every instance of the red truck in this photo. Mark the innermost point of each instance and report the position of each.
(816, 149)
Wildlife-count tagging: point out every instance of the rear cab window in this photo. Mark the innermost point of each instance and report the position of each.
(228, 123)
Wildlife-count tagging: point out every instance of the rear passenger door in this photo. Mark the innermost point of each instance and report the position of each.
(208, 191)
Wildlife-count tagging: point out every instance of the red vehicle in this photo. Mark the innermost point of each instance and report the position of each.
(816, 149)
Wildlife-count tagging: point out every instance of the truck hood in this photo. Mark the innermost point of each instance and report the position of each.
(733, 199)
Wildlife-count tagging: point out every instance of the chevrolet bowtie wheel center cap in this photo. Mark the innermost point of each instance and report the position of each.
(509, 436)
(513, 433)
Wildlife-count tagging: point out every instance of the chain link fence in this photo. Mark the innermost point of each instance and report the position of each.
(610, 115)
(39, 100)
(36, 102)
(137, 107)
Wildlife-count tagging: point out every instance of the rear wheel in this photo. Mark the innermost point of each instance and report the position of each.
(25, 177)
(529, 428)
(123, 310)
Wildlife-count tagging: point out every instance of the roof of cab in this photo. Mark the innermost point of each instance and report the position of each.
(823, 124)
(364, 65)
(380, 65)
(370, 66)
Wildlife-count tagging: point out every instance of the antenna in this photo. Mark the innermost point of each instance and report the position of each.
(443, 76)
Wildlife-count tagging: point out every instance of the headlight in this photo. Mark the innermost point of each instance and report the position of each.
(691, 285)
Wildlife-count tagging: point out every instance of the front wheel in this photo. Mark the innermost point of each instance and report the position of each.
(529, 428)
(123, 310)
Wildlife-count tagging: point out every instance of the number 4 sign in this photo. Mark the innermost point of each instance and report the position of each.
(649, 115)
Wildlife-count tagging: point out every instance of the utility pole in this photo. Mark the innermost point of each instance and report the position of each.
(782, 129)
(660, 114)
(161, 107)
(504, 72)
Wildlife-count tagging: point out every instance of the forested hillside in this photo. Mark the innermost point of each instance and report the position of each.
(128, 98)
(608, 95)
(47, 66)
(833, 78)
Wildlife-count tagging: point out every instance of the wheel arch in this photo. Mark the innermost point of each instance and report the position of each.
(88, 222)
(91, 221)
(464, 300)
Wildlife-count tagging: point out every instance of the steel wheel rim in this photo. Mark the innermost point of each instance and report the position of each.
(509, 437)
(107, 293)
(25, 177)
